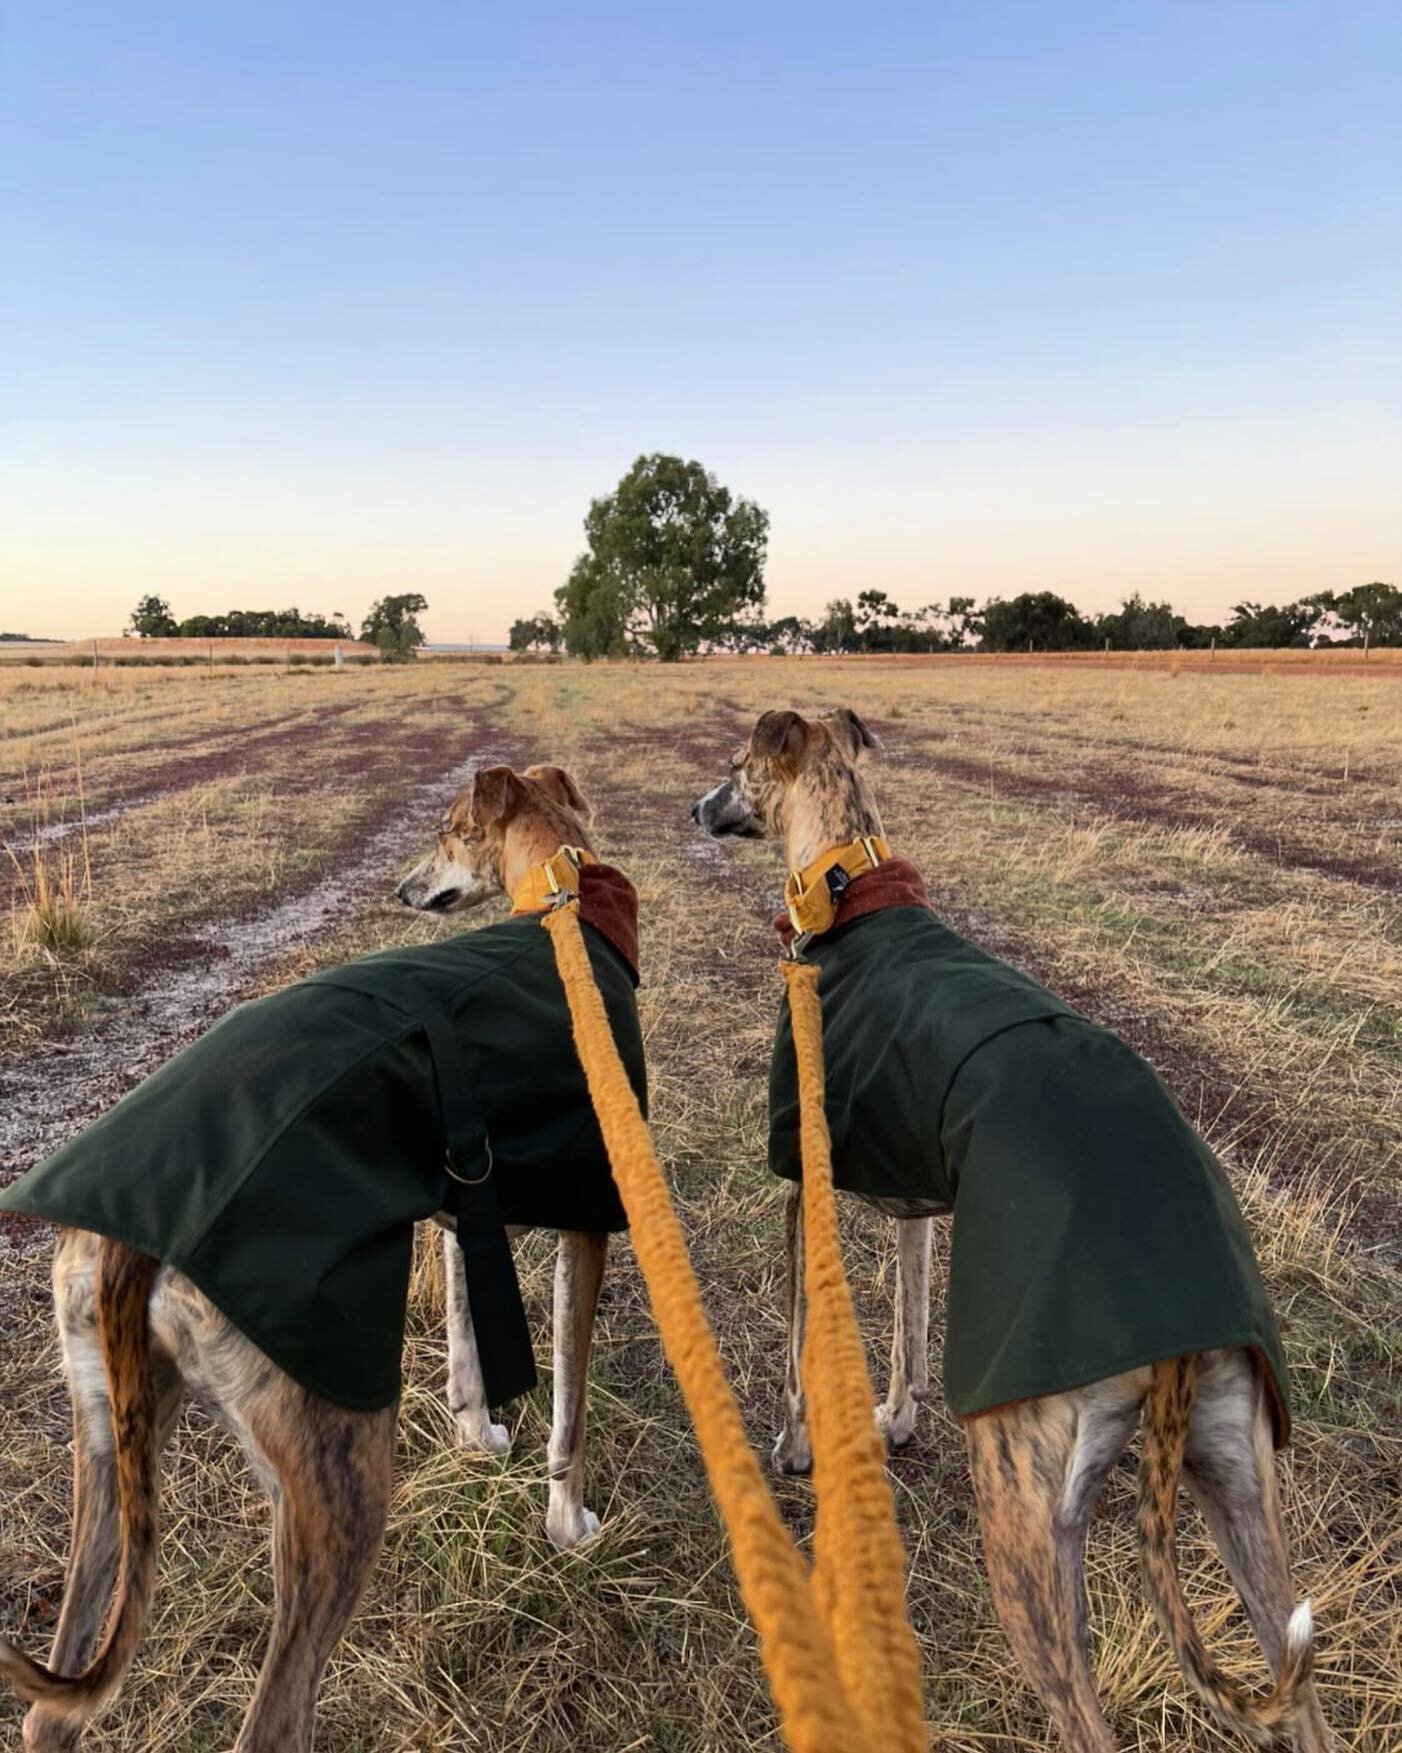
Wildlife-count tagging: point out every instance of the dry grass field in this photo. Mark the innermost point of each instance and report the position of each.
(1206, 861)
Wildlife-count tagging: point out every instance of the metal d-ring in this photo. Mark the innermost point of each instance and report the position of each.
(469, 1180)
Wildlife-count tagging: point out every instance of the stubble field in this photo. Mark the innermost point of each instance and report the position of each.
(1209, 863)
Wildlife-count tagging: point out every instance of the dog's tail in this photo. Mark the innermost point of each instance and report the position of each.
(124, 1281)
(1263, 1721)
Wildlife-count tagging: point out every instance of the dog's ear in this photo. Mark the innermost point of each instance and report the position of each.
(560, 788)
(497, 794)
(780, 736)
(852, 734)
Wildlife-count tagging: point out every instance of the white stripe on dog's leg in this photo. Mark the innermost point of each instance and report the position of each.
(466, 1395)
(910, 1344)
(793, 1452)
(579, 1272)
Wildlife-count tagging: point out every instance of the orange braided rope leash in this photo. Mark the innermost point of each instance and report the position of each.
(807, 1673)
(859, 1572)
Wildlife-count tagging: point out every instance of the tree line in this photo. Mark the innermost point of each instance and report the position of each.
(675, 566)
(391, 623)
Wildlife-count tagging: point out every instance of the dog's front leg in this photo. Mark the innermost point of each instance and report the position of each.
(793, 1453)
(467, 1399)
(579, 1271)
(910, 1344)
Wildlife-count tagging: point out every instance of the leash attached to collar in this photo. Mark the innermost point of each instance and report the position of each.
(551, 884)
(811, 894)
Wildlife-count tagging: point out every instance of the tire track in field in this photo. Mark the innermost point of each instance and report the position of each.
(1125, 794)
(45, 1099)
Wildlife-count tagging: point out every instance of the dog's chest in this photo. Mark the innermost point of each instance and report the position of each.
(905, 1002)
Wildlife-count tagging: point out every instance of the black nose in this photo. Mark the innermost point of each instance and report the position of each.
(696, 812)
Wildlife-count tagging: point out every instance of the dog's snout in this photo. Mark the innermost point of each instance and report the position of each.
(696, 812)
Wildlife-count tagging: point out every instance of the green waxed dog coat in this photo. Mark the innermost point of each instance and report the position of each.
(281, 1161)
(1094, 1231)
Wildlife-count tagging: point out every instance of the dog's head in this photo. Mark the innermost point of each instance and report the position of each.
(495, 830)
(797, 777)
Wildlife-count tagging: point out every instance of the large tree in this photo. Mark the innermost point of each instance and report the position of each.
(392, 624)
(1039, 619)
(1267, 627)
(152, 619)
(1141, 626)
(673, 560)
(1371, 613)
(530, 635)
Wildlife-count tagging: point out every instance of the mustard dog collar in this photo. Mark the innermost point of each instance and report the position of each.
(552, 883)
(811, 895)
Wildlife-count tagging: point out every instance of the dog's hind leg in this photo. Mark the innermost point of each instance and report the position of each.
(1229, 1468)
(467, 1400)
(793, 1453)
(1037, 1468)
(579, 1271)
(910, 1343)
(331, 1475)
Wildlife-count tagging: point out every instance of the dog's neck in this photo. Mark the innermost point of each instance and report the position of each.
(534, 842)
(555, 879)
(834, 811)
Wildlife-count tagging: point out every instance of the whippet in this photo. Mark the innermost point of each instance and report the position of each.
(1037, 1464)
(138, 1333)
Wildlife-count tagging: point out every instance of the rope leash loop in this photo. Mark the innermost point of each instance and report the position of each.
(825, 1703)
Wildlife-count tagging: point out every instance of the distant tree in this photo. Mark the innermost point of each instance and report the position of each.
(1140, 626)
(1372, 612)
(152, 619)
(837, 631)
(741, 633)
(264, 624)
(392, 624)
(1040, 619)
(788, 636)
(1256, 626)
(673, 559)
(876, 617)
(540, 632)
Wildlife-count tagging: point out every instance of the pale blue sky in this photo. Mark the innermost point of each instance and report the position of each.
(310, 302)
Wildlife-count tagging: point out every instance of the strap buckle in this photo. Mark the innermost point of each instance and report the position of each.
(560, 896)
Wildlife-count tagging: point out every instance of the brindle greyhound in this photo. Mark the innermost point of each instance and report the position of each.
(137, 1338)
(1038, 1465)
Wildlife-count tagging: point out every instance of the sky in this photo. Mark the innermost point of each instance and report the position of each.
(303, 304)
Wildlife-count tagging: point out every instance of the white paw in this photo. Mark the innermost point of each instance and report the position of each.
(479, 1436)
(897, 1423)
(793, 1453)
(568, 1530)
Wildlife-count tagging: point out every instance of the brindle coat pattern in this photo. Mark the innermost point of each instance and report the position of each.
(137, 1338)
(1038, 1466)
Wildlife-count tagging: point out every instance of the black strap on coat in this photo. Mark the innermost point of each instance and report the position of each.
(493, 1294)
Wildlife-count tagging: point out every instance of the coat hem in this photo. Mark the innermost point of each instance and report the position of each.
(1280, 1403)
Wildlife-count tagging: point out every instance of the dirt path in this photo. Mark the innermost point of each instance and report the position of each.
(47, 1098)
